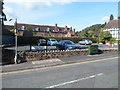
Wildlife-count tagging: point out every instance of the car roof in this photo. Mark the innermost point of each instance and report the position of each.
(65, 40)
(87, 39)
(41, 39)
(52, 39)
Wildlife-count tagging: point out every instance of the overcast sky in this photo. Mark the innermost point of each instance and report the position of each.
(73, 13)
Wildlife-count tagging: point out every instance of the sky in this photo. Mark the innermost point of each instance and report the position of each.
(75, 13)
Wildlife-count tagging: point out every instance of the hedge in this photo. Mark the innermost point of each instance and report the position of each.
(25, 40)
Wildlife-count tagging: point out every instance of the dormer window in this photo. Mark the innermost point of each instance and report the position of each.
(47, 29)
(23, 28)
(37, 29)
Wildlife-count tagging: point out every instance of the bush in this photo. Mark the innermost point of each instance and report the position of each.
(26, 40)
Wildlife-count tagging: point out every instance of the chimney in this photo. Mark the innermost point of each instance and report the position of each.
(65, 27)
(74, 30)
(70, 28)
(56, 27)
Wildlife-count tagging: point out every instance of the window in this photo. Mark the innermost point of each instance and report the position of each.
(23, 28)
(37, 29)
(42, 34)
(47, 29)
(61, 42)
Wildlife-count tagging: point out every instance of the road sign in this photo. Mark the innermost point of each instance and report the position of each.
(16, 34)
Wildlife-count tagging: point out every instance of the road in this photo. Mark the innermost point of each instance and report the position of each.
(92, 74)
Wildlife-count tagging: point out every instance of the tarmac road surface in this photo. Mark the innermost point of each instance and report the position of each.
(35, 48)
(93, 74)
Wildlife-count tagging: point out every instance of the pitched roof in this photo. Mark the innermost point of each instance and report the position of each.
(39, 25)
(113, 24)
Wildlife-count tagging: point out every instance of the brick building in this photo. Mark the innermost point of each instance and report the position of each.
(46, 30)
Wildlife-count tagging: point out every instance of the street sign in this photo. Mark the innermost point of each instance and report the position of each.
(16, 34)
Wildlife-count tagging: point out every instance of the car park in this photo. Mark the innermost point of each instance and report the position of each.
(52, 42)
(41, 42)
(67, 45)
(85, 42)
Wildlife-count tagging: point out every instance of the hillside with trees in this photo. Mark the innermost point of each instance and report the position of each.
(95, 32)
(92, 31)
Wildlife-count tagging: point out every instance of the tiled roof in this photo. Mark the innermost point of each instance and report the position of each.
(113, 24)
(39, 25)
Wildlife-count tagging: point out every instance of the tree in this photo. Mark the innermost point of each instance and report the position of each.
(104, 36)
(112, 40)
(28, 32)
(111, 17)
(92, 34)
(92, 31)
(2, 13)
(30, 29)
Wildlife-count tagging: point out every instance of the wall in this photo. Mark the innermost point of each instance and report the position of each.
(8, 55)
(37, 56)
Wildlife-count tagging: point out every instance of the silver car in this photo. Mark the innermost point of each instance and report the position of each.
(85, 42)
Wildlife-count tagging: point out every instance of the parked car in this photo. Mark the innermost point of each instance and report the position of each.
(67, 44)
(52, 41)
(41, 42)
(85, 42)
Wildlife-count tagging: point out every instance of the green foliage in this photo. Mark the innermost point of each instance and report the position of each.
(104, 36)
(30, 29)
(112, 40)
(92, 31)
(28, 32)
(27, 40)
(74, 39)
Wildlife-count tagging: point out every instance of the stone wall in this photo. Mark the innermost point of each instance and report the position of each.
(8, 55)
(36, 56)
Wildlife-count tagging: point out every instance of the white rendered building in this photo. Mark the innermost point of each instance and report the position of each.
(113, 27)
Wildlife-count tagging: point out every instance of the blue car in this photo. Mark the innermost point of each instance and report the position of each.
(52, 42)
(41, 42)
(67, 45)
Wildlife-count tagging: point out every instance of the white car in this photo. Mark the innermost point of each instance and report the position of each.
(85, 42)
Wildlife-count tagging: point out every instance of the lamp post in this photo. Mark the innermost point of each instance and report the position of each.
(15, 27)
(15, 59)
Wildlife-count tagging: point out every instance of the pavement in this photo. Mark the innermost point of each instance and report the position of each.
(54, 62)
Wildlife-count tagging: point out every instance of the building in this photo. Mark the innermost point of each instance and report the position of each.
(45, 30)
(113, 27)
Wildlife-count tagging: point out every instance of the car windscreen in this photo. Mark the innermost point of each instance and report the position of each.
(69, 42)
(53, 40)
(89, 40)
(43, 40)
